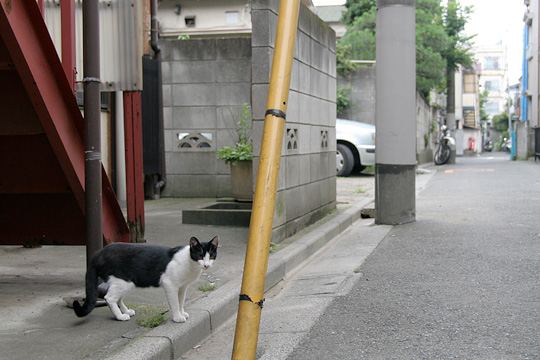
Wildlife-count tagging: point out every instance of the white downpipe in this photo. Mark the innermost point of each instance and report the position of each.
(120, 150)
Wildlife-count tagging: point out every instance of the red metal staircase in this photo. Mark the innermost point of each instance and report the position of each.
(41, 140)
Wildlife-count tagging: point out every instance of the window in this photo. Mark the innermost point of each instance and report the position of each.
(232, 17)
(190, 21)
(492, 107)
(529, 37)
(469, 83)
(469, 116)
(491, 63)
(492, 85)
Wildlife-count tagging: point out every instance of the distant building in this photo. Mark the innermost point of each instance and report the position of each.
(528, 122)
(199, 18)
(332, 15)
(493, 76)
(467, 110)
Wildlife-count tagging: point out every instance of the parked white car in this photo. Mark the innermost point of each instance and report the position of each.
(355, 146)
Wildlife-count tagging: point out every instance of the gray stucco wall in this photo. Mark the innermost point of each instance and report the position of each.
(205, 84)
(307, 177)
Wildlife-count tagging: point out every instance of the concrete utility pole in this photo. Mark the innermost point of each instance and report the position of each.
(451, 101)
(395, 159)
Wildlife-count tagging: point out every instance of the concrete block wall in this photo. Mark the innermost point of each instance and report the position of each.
(307, 178)
(205, 84)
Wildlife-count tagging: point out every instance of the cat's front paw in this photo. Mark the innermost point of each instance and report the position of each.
(185, 314)
(123, 317)
(130, 312)
(179, 318)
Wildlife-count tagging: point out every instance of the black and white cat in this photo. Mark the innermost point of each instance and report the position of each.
(122, 267)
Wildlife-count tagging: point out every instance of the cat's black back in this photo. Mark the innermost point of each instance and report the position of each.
(141, 264)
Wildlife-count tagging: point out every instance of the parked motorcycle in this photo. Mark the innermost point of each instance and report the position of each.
(488, 145)
(443, 151)
(507, 145)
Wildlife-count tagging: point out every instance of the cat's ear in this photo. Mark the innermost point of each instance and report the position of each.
(215, 241)
(194, 242)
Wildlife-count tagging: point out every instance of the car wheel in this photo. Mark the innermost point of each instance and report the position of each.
(344, 160)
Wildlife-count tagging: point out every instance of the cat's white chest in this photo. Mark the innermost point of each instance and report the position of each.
(181, 270)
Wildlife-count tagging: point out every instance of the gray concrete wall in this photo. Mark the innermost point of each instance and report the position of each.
(362, 97)
(205, 84)
(307, 177)
(361, 83)
(425, 132)
(525, 140)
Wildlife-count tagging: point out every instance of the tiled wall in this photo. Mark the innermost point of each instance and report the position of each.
(307, 178)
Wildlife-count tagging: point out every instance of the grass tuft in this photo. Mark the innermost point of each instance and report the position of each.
(149, 316)
(274, 247)
(370, 169)
(207, 287)
(151, 321)
(360, 190)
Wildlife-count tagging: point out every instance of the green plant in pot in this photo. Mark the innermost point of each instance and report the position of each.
(240, 158)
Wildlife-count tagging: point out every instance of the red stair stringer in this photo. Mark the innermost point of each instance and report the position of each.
(36, 61)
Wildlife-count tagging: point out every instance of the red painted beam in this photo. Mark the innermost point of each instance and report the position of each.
(67, 18)
(27, 40)
(134, 164)
(41, 4)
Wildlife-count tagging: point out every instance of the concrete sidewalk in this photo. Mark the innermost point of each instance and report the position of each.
(37, 325)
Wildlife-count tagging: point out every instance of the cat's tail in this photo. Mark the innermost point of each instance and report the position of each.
(91, 294)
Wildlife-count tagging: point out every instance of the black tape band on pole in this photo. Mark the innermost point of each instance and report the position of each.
(276, 112)
(244, 297)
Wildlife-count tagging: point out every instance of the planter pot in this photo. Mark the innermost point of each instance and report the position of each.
(242, 180)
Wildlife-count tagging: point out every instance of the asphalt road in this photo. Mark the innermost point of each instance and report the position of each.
(462, 282)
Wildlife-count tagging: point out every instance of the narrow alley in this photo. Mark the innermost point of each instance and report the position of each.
(461, 282)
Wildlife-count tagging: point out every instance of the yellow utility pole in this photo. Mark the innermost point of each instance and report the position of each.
(260, 229)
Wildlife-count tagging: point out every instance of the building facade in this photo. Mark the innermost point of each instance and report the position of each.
(199, 18)
(467, 109)
(493, 76)
(196, 17)
(528, 120)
